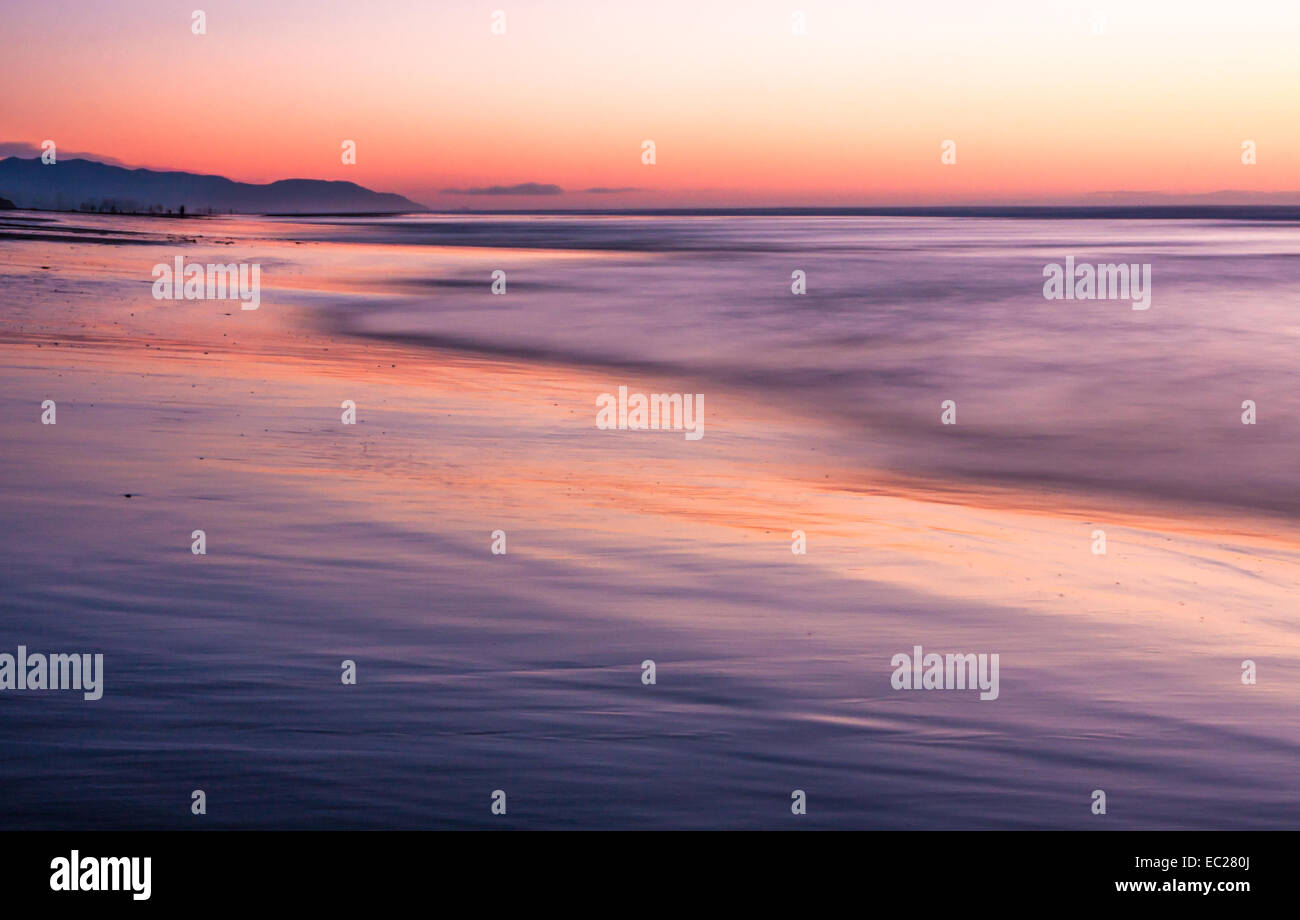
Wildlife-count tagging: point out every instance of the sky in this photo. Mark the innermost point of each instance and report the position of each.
(1046, 101)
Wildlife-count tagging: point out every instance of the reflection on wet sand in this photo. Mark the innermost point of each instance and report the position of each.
(371, 542)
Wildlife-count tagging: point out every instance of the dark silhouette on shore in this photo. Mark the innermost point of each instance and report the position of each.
(85, 185)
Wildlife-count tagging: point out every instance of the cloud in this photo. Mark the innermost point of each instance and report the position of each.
(600, 190)
(523, 188)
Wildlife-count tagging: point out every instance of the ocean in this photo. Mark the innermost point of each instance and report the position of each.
(524, 671)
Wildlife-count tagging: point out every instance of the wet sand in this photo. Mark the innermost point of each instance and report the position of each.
(523, 672)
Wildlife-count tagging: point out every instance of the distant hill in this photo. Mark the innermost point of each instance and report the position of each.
(76, 184)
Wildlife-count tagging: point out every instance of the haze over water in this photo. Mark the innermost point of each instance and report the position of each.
(902, 313)
(522, 672)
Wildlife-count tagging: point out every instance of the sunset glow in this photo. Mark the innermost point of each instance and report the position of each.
(1045, 101)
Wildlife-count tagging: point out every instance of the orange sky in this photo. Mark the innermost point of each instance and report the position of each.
(743, 110)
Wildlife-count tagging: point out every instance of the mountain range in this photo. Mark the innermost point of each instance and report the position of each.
(79, 184)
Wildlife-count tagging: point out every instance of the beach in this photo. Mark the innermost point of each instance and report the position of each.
(523, 671)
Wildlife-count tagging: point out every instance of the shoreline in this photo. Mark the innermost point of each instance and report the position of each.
(372, 543)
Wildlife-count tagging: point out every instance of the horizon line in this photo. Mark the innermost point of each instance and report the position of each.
(1206, 203)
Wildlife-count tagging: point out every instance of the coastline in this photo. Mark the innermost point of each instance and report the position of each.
(372, 543)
